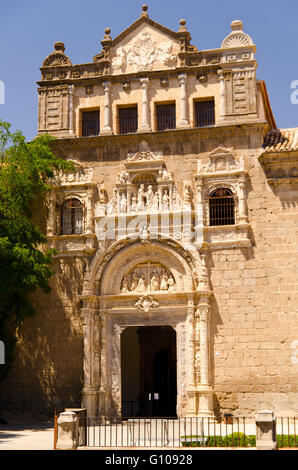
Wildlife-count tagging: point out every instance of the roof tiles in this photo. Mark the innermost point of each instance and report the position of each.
(281, 140)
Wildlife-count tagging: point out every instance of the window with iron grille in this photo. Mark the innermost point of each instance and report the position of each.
(72, 217)
(90, 123)
(165, 116)
(204, 113)
(128, 120)
(221, 207)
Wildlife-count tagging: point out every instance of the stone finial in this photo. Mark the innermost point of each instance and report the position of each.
(107, 36)
(144, 10)
(237, 25)
(59, 46)
(182, 26)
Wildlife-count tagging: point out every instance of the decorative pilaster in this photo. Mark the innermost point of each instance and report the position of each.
(102, 394)
(222, 96)
(107, 129)
(51, 228)
(191, 388)
(242, 204)
(89, 210)
(183, 102)
(199, 227)
(145, 126)
(70, 110)
(204, 388)
(90, 391)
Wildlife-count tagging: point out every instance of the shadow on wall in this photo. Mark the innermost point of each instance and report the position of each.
(47, 373)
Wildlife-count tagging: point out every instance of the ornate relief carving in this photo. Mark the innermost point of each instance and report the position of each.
(220, 159)
(146, 302)
(148, 277)
(57, 58)
(78, 176)
(142, 54)
(237, 40)
(144, 185)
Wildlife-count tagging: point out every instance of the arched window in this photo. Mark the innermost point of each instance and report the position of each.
(221, 207)
(72, 217)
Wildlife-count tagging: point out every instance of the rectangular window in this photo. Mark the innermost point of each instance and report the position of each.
(90, 123)
(165, 116)
(204, 113)
(128, 120)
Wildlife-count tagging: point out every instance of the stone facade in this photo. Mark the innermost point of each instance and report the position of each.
(148, 253)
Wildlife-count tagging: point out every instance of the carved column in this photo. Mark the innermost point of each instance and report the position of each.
(89, 210)
(204, 388)
(42, 109)
(102, 395)
(183, 102)
(145, 126)
(242, 203)
(70, 110)
(51, 228)
(107, 129)
(90, 390)
(222, 96)
(199, 227)
(191, 388)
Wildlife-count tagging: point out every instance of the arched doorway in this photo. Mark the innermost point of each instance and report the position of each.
(149, 371)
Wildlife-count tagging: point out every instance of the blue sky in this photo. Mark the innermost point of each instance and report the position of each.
(28, 30)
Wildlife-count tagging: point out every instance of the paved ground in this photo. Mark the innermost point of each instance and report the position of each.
(37, 436)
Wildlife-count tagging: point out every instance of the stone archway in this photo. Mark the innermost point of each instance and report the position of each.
(124, 295)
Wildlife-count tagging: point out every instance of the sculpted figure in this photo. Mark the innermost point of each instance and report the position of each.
(141, 283)
(134, 204)
(124, 285)
(155, 202)
(149, 197)
(171, 283)
(141, 198)
(134, 281)
(164, 281)
(165, 201)
(154, 281)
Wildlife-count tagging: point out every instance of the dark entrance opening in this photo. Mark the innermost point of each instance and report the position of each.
(149, 371)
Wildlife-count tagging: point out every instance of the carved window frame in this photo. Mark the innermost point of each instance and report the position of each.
(211, 187)
(63, 208)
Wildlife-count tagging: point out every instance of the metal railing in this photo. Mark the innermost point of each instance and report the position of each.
(128, 124)
(204, 118)
(168, 432)
(90, 127)
(286, 432)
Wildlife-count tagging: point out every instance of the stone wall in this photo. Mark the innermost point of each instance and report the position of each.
(255, 306)
(47, 372)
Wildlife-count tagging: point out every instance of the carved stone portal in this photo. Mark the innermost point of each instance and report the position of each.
(146, 286)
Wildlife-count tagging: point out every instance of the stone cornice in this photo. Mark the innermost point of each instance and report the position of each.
(194, 62)
(184, 135)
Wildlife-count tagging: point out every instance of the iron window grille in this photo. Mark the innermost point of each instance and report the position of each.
(166, 116)
(204, 113)
(128, 120)
(90, 123)
(72, 217)
(221, 207)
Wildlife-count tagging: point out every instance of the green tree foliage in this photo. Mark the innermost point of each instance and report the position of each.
(25, 171)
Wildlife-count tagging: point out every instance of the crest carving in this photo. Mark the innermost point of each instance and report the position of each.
(146, 302)
(143, 53)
